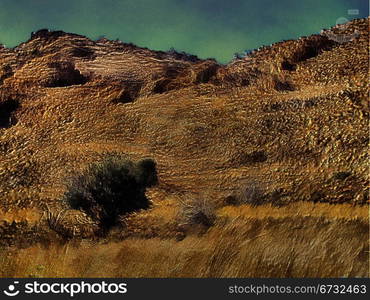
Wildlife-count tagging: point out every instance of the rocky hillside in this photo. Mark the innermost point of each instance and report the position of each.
(290, 119)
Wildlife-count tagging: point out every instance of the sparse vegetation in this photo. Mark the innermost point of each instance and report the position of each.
(198, 210)
(83, 52)
(7, 108)
(130, 92)
(312, 47)
(341, 175)
(236, 246)
(283, 85)
(251, 193)
(5, 72)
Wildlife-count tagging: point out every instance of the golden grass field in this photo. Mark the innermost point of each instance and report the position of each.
(301, 240)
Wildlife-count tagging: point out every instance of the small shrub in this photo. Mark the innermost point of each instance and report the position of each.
(283, 85)
(130, 92)
(205, 75)
(341, 175)
(83, 52)
(162, 86)
(317, 196)
(113, 187)
(312, 47)
(198, 210)
(251, 193)
(5, 72)
(286, 65)
(253, 157)
(7, 109)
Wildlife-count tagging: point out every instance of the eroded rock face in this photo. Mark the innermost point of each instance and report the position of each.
(65, 75)
(289, 116)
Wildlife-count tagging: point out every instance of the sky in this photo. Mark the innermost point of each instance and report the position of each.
(207, 28)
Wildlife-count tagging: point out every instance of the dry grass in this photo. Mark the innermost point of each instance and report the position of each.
(31, 215)
(159, 221)
(330, 211)
(197, 210)
(243, 248)
(302, 240)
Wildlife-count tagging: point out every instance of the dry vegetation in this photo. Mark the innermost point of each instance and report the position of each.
(262, 163)
(304, 240)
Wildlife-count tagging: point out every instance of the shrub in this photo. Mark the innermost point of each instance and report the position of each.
(341, 175)
(198, 210)
(130, 92)
(251, 193)
(283, 85)
(110, 188)
(7, 109)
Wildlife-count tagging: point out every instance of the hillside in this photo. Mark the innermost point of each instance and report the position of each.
(289, 120)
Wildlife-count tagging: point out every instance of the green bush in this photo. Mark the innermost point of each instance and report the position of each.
(110, 188)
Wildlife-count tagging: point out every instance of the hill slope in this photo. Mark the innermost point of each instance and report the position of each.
(290, 120)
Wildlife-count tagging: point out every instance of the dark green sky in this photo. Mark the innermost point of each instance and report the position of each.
(207, 28)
